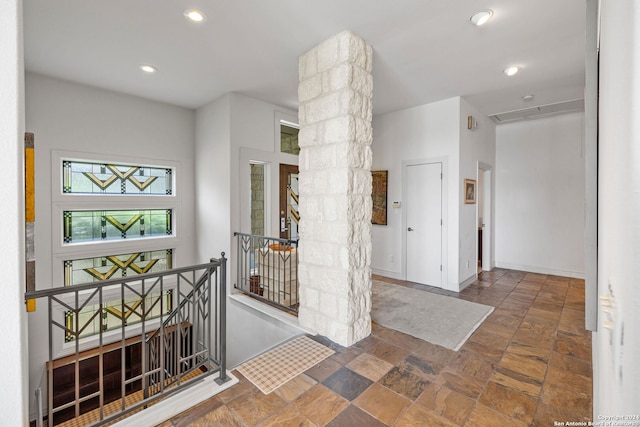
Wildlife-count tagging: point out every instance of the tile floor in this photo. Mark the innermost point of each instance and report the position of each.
(529, 363)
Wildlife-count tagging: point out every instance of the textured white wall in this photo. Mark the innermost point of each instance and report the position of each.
(540, 195)
(335, 114)
(616, 367)
(13, 319)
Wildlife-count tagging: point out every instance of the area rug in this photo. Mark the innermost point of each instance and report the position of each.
(438, 319)
(275, 367)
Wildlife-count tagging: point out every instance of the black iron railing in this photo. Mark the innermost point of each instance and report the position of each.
(268, 269)
(178, 337)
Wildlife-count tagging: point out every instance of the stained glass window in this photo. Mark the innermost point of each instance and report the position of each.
(91, 226)
(114, 224)
(105, 178)
(156, 304)
(86, 270)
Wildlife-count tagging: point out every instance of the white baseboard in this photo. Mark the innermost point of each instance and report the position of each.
(180, 402)
(387, 273)
(541, 270)
(467, 282)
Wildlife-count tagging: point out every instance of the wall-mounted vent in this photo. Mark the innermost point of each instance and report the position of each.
(539, 112)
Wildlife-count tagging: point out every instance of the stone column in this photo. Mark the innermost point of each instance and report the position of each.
(335, 138)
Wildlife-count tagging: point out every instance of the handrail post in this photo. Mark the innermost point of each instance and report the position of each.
(223, 320)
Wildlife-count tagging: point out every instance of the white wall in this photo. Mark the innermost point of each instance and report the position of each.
(426, 132)
(227, 127)
(540, 195)
(432, 131)
(13, 319)
(478, 145)
(72, 117)
(616, 368)
(213, 179)
(254, 129)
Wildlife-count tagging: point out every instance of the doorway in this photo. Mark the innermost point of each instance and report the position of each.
(484, 218)
(289, 215)
(424, 223)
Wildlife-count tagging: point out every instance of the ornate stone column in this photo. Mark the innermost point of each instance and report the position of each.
(335, 138)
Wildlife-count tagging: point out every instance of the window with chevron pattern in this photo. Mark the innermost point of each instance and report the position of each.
(106, 178)
(116, 220)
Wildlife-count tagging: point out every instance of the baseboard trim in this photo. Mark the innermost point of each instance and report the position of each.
(178, 403)
(387, 273)
(541, 270)
(467, 282)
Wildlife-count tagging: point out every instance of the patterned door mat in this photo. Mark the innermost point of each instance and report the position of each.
(274, 368)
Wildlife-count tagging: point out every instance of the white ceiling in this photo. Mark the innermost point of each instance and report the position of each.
(424, 50)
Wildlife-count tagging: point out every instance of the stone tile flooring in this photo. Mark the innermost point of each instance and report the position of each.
(529, 363)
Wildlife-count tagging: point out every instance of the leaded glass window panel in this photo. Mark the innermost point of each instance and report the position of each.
(92, 226)
(106, 178)
(155, 305)
(87, 270)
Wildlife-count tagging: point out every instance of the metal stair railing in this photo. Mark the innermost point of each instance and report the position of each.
(268, 270)
(174, 347)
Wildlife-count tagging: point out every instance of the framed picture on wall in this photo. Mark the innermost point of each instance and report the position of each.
(379, 197)
(470, 191)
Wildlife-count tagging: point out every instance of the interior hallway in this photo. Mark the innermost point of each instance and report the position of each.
(529, 363)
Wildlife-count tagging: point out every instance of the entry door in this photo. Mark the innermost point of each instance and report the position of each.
(289, 216)
(424, 223)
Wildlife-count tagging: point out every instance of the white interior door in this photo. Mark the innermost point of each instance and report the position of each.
(424, 223)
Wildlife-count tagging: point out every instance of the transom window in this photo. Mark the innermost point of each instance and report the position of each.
(107, 178)
(93, 226)
(115, 266)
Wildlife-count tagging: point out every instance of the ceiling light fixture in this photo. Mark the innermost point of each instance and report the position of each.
(481, 18)
(148, 68)
(527, 98)
(511, 71)
(195, 15)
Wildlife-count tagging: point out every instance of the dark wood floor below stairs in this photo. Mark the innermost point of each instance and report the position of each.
(528, 364)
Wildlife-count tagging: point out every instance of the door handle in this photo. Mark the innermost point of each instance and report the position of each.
(409, 229)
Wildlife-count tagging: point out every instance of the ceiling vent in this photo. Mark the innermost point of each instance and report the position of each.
(539, 112)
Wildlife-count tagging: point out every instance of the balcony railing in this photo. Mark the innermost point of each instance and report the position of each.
(268, 269)
(171, 333)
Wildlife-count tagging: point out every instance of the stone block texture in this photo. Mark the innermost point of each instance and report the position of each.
(335, 112)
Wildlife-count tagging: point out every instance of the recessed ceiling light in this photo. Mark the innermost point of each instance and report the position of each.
(481, 18)
(511, 71)
(148, 68)
(195, 15)
(527, 98)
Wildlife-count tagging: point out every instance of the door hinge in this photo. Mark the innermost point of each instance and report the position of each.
(440, 221)
(440, 176)
(440, 267)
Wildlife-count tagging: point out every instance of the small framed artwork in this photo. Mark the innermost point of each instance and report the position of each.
(379, 197)
(470, 191)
